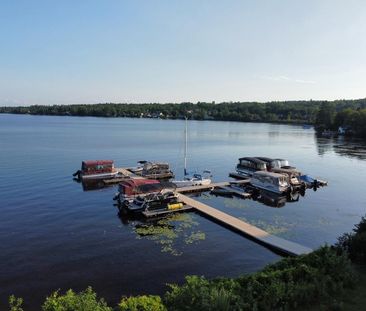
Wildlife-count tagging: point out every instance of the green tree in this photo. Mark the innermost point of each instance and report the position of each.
(325, 115)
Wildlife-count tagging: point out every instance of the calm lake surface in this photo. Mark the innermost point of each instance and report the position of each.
(54, 235)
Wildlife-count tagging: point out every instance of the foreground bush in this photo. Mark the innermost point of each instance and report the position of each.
(288, 284)
(71, 301)
(141, 303)
(354, 244)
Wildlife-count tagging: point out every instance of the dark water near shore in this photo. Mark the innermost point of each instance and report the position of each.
(55, 235)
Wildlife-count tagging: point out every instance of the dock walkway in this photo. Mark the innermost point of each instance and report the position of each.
(210, 186)
(255, 233)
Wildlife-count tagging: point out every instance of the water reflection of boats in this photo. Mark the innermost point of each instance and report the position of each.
(277, 200)
(89, 185)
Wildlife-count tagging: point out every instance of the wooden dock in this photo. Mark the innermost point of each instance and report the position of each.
(258, 235)
(238, 176)
(211, 186)
(156, 213)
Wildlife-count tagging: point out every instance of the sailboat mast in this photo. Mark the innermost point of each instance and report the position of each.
(185, 147)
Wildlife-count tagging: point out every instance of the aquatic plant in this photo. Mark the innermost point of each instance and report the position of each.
(277, 226)
(168, 231)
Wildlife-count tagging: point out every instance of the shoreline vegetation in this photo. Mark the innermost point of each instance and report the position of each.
(324, 115)
(331, 277)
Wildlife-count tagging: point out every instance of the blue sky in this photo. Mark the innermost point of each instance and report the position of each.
(68, 52)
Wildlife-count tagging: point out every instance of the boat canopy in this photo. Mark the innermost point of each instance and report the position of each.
(139, 186)
(272, 163)
(97, 165)
(252, 162)
(288, 171)
(283, 162)
(270, 177)
(155, 167)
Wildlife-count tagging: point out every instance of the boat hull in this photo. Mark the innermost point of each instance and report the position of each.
(190, 183)
(98, 176)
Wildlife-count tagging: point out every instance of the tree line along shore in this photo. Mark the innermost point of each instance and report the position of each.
(330, 278)
(324, 115)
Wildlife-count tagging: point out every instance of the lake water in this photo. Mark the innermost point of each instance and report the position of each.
(54, 235)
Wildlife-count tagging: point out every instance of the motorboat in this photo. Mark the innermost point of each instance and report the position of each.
(129, 189)
(156, 170)
(96, 169)
(273, 182)
(137, 169)
(166, 199)
(248, 165)
(293, 176)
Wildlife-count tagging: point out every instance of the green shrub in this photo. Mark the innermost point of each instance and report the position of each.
(354, 244)
(288, 284)
(199, 293)
(15, 303)
(141, 303)
(71, 301)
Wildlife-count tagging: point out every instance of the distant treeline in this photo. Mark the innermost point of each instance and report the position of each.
(280, 112)
(351, 118)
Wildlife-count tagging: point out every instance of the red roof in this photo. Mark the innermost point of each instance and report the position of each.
(139, 182)
(131, 186)
(97, 162)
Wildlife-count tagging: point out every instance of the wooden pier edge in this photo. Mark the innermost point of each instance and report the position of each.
(262, 237)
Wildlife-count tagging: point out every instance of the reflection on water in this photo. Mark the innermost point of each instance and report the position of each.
(91, 184)
(275, 200)
(344, 146)
(172, 233)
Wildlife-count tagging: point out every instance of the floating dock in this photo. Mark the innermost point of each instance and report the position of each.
(224, 185)
(156, 213)
(237, 176)
(258, 235)
(125, 173)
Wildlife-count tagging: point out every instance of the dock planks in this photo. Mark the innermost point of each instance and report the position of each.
(209, 187)
(185, 208)
(255, 233)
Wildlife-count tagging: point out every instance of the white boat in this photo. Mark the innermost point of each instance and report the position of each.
(273, 182)
(195, 179)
